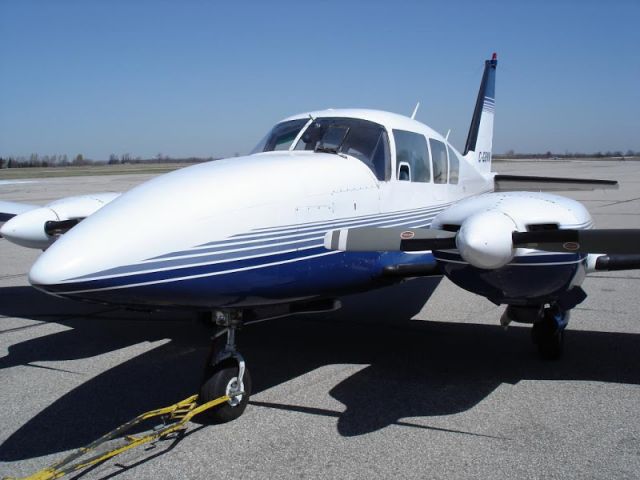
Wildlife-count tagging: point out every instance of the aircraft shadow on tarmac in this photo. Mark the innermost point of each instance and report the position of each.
(413, 369)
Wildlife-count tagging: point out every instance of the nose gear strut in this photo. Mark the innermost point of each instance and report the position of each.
(226, 372)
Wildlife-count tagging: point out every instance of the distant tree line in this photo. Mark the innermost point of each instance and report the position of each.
(35, 160)
(48, 161)
(607, 154)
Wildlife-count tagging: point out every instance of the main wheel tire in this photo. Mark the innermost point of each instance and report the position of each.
(221, 382)
(548, 338)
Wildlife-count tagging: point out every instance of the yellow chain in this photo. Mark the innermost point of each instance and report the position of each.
(180, 413)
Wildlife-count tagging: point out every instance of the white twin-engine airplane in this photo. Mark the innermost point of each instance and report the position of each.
(329, 203)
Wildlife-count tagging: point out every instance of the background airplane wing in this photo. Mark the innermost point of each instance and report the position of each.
(35, 226)
(8, 210)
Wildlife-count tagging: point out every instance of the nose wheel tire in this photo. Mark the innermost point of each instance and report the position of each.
(224, 381)
(549, 337)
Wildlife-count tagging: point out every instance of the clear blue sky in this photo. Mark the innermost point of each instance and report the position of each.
(209, 78)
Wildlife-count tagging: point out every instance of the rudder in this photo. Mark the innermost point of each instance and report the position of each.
(480, 138)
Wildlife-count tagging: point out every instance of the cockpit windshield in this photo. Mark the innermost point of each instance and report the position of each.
(367, 141)
(281, 136)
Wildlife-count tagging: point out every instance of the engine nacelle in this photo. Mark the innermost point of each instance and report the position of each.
(485, 261)
(28, 229)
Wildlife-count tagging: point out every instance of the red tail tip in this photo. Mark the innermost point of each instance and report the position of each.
(494, 56)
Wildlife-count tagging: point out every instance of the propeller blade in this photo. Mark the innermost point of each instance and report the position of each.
(614, 241)
(376, 239)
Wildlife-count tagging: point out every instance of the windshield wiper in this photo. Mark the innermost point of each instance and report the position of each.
(333, 150)
(323, 149)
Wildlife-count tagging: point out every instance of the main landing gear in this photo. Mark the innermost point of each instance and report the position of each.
(548, 333)
(548, 321)
(548, 324)
(226, 372)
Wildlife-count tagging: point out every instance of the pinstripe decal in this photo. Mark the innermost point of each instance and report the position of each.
(264, 250)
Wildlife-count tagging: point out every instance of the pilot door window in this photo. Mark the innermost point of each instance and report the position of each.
(412, 157)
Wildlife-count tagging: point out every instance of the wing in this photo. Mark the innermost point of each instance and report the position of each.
(8, 210)
(33, 226)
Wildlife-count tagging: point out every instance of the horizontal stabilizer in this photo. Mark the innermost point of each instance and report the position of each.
(511, 183)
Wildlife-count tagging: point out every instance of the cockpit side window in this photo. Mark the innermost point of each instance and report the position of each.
(369, 145)
(454, 166)
(439, 158)
(412, 149)
(382, 157)
(281, 136)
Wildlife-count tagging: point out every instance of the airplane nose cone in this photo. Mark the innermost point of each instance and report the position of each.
(45, 273)
(175, 239)
(27, 229)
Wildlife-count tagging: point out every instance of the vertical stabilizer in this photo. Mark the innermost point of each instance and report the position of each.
(480, 138)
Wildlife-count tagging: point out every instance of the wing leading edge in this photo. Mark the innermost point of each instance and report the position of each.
(8, 210)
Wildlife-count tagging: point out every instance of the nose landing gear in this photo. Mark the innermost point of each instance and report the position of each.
(226, 372)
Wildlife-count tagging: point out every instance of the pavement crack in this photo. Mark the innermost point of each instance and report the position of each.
(619, 202)
(24, 327)
(51, 368)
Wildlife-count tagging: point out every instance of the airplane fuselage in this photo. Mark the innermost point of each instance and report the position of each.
(248, 230)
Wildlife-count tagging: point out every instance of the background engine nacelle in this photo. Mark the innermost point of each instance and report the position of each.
(40, 227)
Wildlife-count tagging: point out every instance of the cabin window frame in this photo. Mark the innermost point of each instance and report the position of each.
(417, 175)
(452, 154)
(438, 146)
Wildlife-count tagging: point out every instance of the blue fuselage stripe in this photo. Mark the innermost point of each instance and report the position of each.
(208, 269)
(264, 252)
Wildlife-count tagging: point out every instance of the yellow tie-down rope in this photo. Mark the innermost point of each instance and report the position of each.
(176, 416)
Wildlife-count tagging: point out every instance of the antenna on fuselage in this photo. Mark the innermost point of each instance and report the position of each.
(415, 110)
(446, 138)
